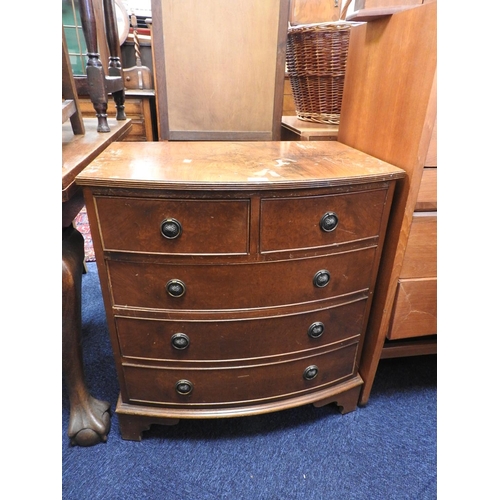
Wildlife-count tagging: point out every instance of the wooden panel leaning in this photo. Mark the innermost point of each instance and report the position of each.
(389, 111)
(219, 67)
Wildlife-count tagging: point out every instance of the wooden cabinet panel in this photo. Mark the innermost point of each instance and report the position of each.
(314, 11)
(431, 159)
(427, 194)
(420, 260)
(415, 310)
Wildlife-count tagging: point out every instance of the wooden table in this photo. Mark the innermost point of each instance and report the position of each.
(89, 418)
(293, 129)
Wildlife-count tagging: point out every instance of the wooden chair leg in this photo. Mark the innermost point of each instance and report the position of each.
(89, 421)
(114, 63)
(96, 77)
(119, 98)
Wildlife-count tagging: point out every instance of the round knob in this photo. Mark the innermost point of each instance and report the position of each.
(311, 372)
(321, 278)
(329, 221)
(184, 387)
(171, 228)
(176, 288)
(316, 330)
(180, 341)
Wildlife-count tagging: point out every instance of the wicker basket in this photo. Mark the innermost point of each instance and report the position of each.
(316, 56)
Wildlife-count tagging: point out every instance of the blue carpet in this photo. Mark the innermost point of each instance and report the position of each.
(386, 450)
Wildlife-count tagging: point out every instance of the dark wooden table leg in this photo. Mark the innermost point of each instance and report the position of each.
(89, 421)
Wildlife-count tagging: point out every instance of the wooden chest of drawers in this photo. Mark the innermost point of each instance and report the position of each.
(414, 313)
(237, 277)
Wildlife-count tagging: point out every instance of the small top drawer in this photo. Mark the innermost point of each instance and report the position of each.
(320, 221)
(173, 226)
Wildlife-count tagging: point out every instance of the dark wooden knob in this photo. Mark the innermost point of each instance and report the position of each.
(316, 330)
(184, 387)
(171, 228)
(176, 288)
(180, 341)
(321, 278)
(311, 372)
(329, 221)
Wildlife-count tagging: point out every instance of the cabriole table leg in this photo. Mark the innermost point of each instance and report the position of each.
(89, 421)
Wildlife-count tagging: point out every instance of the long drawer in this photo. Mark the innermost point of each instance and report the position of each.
(415, 309)
(239, 286)
(182, 340)
(177, 386)
(420, 260)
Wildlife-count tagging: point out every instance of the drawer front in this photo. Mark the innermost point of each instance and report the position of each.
(415, 309)
(204, 226)
(427, 192)
(230, 385)
(239, 286)
(295, 223)
(232, 339)
(137, 132)
(420, 260)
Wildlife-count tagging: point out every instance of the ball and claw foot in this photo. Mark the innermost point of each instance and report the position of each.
(89, 423)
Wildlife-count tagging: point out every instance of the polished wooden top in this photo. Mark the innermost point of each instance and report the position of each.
(233, 165)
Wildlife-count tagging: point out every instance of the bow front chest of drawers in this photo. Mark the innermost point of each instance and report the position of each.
(237, 276)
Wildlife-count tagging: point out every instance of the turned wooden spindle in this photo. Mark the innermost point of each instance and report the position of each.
(99, 84)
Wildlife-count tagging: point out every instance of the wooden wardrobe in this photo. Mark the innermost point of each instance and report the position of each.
(389, 111)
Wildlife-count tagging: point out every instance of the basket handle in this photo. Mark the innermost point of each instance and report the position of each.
(343, 11)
